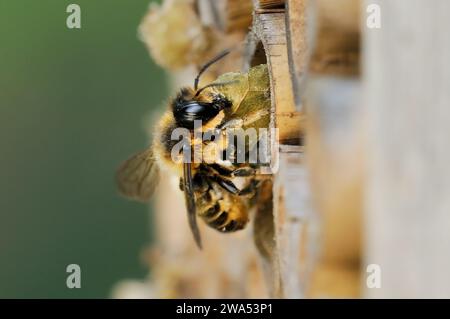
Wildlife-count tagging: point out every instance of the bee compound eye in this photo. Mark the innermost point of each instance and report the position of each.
(187, 113)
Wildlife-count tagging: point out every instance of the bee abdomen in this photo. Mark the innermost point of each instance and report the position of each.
(222, 220)
(220, 211)
(224, 223)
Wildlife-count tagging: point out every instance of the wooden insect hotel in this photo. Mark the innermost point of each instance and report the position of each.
(340, 199)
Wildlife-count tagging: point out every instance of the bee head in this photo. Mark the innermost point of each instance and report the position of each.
(188, 107)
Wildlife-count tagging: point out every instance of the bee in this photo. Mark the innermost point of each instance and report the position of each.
(235, 101)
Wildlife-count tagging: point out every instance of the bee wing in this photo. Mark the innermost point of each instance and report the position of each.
(189, 197)
(138, 176)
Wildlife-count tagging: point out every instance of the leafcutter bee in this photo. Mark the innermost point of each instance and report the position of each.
(234, 102)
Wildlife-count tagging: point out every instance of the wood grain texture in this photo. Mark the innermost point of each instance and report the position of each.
(238, 15)
(270, 30)
(407, 81)
(337, 39)
(290, 191)
(270, 4)
(299, 41)
(285, 225)
(335, 164)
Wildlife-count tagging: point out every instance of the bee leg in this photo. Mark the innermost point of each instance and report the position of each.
(219, 169)
(239, 172)
(243, 172)
(226, 184)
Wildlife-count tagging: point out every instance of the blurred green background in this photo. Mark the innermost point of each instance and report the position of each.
(72, 104)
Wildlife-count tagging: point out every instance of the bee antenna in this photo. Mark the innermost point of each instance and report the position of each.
(213, 85)
(207, 65)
